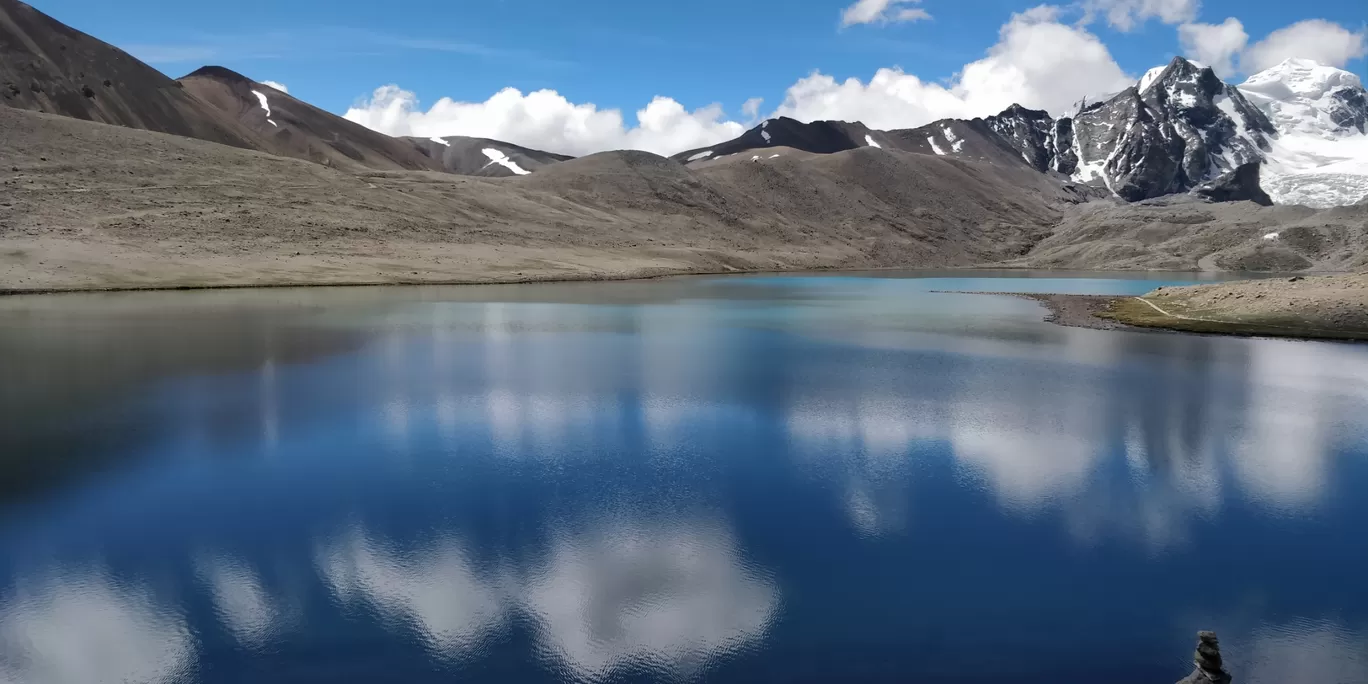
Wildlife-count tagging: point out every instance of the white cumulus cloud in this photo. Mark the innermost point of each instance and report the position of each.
(1038, 62)
(546, 120)
(1127, 14)
(882, 12)
(1317, 39)
(751, 108)
(277, 85)
(1216, 45)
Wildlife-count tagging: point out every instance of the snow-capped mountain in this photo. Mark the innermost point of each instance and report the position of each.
(1304, 97)
(1178, 128)
(1320, 155)
(1181, 126)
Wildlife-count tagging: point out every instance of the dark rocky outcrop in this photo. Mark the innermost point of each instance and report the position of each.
(1240, 185)
(1209, 668)
(1350, 108)
(820, 137)
(1183, 128)
(1043, 142)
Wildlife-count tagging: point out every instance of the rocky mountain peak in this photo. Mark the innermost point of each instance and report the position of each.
(1019, 112)
(217, 73)
(1033, 133)
(821, 137)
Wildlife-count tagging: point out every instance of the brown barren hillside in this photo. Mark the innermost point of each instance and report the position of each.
(47, 66)
(94, 206)
(289, 127)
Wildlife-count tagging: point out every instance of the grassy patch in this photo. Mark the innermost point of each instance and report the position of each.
(1132, 311)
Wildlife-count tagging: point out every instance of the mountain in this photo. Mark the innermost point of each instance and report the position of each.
(977, 139)
(1320, 156)
(484, 157)
(130, 208)
(1176, 129)
(1180, 127)
(292, 128)
(820, 137)
(972, 139)
(1043, 143)
(289, 127)
(1304, 97)
(47, 66)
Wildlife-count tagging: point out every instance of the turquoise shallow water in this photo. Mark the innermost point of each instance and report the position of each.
(842, 477)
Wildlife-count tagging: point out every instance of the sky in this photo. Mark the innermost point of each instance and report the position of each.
(586, 76)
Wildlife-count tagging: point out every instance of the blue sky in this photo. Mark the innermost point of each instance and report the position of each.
(612, 53)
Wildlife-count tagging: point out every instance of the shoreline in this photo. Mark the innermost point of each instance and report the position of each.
(1095, 312)
(588, 277)
(1079, 311)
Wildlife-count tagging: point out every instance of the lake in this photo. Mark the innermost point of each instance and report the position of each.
(836, 477)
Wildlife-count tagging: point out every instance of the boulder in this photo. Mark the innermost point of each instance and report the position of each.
(1209, 668)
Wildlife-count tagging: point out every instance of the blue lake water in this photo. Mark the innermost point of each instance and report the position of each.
(846, 477)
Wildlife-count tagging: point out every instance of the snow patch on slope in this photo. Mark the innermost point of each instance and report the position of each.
(1089, 171)
(956, 143)
(701, 155)
(869, 140)
(265, 104)
(440, 141)
(931, 139)
(497, 157)
(1150, 77)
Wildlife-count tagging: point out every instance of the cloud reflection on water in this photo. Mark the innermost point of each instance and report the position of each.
(669, 597)
(627, 595)
(1210, 418)
(1303, 399)
(436, 591)
(242, 603)
(81, 626)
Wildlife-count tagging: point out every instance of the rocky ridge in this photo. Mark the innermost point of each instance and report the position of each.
(1180, 127)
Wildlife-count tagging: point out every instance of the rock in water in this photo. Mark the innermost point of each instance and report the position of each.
(1235, 186)
(1209, 669)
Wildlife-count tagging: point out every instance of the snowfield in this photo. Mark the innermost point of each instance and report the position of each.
(265, 104)
(1317, 159)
